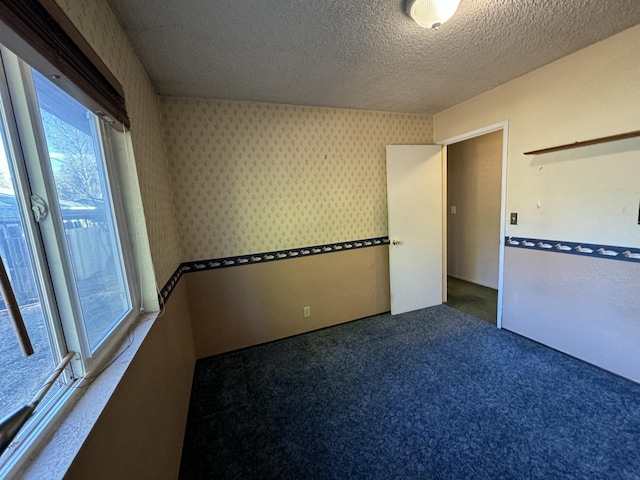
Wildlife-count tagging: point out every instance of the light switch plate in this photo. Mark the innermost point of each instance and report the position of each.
(514, 218)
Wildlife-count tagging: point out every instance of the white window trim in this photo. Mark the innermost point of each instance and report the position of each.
(50, 444)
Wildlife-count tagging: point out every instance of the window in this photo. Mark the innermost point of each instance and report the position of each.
(62, 240)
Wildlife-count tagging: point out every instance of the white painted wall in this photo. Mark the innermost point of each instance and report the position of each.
(587, 307)
(589, 194)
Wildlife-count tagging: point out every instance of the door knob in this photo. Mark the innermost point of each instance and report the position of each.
(395, 242)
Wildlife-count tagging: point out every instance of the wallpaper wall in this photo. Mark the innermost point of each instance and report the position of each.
(96, 22)
(255, 177)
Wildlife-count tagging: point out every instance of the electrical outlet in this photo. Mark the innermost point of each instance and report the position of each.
(306, 311)
(453, 209)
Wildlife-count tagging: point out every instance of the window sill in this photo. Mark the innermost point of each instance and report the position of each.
(51, 455)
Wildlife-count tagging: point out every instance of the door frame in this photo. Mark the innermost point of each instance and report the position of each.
(504, 126)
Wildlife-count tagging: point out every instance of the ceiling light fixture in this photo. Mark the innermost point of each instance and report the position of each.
(431, 13)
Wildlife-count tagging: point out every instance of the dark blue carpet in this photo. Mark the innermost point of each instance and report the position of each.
(429, 394)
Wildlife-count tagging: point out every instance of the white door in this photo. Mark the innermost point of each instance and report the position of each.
(414, 200)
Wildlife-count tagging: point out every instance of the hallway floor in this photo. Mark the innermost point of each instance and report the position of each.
(476, 300)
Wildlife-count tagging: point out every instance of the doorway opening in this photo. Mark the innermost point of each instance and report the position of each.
(474, 186)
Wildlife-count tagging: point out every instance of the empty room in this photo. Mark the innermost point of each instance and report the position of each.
(309, 240)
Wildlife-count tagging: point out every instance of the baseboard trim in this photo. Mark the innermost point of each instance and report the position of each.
(483, 284)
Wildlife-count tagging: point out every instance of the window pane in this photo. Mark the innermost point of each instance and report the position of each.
(75, 152)
(20, 376)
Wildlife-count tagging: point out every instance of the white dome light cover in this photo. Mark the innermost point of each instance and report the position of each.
(431, 13)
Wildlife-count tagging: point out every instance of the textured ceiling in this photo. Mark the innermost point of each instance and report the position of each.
(356, 54)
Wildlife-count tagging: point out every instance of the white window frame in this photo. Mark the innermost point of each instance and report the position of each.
(30, 158)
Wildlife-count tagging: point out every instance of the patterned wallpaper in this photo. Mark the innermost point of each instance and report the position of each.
(96, 22)
(256, 177)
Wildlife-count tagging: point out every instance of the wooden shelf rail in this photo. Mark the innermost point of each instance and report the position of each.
(594, 141)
